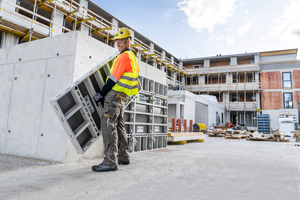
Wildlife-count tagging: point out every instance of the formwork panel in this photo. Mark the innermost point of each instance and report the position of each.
(76, 109)
(146, 117)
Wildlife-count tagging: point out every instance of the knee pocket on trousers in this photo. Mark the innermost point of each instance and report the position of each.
(111, 109)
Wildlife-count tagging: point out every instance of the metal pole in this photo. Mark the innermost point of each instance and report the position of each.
(245, 98)
(52, 20)
(32, 21)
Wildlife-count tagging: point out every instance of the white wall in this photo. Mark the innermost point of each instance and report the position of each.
(275, 113)
(189, 100)
(264, 59)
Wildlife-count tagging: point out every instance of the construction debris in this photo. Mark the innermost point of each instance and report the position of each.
(228, 134)
(216, 133)
(296, 134)
(276, 136)
(237, 134)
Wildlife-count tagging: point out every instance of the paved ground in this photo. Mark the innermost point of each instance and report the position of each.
(216, 169)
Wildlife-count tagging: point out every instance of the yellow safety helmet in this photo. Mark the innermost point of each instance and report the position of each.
(123, 33)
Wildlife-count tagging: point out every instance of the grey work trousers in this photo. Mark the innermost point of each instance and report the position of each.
(113, 129)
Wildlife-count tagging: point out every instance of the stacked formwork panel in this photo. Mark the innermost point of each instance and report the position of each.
(264, 125)
(146, 117)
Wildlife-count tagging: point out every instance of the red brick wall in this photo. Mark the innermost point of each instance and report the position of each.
(270, 80)
(296, 79)
(296, 99)
(271, 100)
(214, 80)
(221, 63)
(244, 62)
(248, 97)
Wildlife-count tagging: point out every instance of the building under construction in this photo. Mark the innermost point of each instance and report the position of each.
(239, 80)
(46, 45)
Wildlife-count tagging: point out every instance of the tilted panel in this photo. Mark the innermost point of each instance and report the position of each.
(76, 109)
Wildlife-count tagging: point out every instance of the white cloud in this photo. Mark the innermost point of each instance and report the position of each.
(206, 14)
(247, 11)
(287, 26)
(216, 38)
(229, 40)
(244, 28)
(169, 12)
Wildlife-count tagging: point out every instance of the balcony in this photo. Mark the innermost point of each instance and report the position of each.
(224, 69)
(240, 106)
(249, 86)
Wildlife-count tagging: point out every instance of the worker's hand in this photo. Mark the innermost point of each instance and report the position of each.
(97, 98)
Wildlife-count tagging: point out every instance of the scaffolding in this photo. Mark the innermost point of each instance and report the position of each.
(76, 14)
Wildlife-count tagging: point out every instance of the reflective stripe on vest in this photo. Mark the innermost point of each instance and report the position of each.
(128, 82)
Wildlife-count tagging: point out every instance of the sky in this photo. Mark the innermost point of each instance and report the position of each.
(200, 28)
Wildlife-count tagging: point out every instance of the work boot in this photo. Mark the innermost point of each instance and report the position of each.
(104, 168)
(123, 162)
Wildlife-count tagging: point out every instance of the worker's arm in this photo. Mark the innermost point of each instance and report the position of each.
(106, 88)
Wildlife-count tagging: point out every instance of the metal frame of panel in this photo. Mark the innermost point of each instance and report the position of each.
(146, 117)
(76, 109)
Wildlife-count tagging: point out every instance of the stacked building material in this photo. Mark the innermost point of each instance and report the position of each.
(296, 135)
(216, 133)
(276, 136)
(236, 134)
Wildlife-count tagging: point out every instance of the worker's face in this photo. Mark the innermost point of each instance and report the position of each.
(122, 44)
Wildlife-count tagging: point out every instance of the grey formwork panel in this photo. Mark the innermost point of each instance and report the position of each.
(146, 117)
(76, 109)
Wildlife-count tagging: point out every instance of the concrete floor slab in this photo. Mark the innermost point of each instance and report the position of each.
(215, 169)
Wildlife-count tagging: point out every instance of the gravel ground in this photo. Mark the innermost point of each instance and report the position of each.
(216, 169)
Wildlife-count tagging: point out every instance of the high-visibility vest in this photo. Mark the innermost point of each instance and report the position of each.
(128, 82)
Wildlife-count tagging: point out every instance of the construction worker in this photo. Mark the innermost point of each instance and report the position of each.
(121, 83)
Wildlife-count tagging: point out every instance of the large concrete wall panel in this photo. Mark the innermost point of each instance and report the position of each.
(52, 47)
(270, 80)
(82, 66)
(53, 140)
(271, 100)
(152, 72)
(296, 79)
(89, 53)
(3, 56)
(6, 82)
(26, 106)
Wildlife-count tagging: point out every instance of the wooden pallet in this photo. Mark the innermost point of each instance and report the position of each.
(237, 137)
(184, 137)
